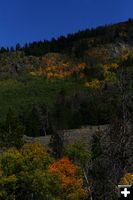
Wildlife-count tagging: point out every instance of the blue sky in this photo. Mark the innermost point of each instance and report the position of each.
(32, 20)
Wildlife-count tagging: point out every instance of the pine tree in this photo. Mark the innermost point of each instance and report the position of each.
(12, 131)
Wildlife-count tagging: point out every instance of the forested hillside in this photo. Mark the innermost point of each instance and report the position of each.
(79, 80)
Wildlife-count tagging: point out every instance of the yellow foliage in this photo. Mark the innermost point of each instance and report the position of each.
(59, 70)
(110, 66)
(1, 173)
(33, 165)
(50, 75)
(33, 73)
(94, 84)
(114, 66)
(8, 180)
(61, 76)
(127, 179)
(125, 54)
(36, 150)
(81, 66)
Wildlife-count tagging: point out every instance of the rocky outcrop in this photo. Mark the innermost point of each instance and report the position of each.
(84, 134)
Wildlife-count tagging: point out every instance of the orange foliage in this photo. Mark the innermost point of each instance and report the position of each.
(68, 172)
(110, 66)
(127, 179)
(82, 75)
(96, 52)
(54, 66)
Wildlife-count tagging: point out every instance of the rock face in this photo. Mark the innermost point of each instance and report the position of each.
(83, 134)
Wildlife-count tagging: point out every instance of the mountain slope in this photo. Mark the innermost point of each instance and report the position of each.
(75, 77)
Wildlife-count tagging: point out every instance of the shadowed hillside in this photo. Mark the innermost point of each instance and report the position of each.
(74, 95)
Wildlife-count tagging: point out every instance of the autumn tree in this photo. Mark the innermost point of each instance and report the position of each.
(80, 156)
(24, 174)
(72, 183)
(127, 179)
(31, 173)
